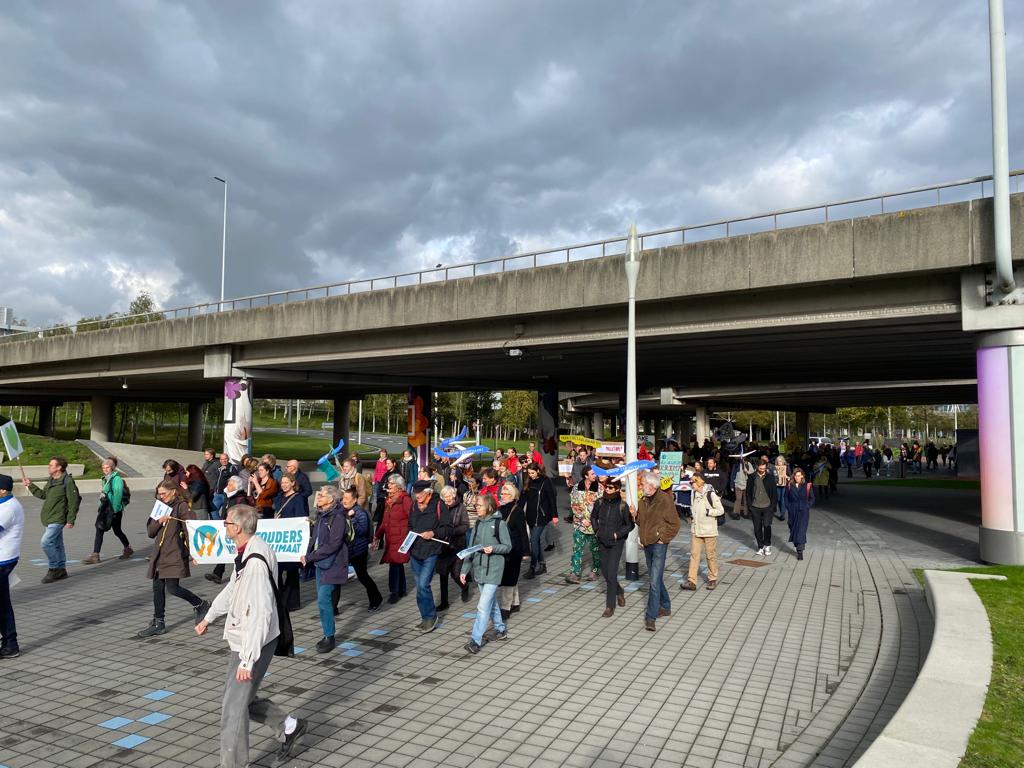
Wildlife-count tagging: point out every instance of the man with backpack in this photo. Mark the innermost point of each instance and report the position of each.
(252, 631)
(61, 501)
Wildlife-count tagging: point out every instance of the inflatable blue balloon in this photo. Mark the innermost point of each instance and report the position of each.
(332, 452)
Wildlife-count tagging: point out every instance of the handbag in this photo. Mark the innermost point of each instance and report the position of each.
(105, 515)
(285, 636)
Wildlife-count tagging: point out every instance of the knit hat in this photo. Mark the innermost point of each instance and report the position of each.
(422, 485)
(6, 483)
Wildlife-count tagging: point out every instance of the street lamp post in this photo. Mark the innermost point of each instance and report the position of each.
(223, 243)
(632, 548)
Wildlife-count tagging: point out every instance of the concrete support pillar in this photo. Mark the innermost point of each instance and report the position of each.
(597, 427)
(1000, 361)
(588, 428)
(803, 426)
(680, 428)
(195, 426)
(101, 422)
(342, 407)
(420, 419)
(547, 430)
(703, 424)
(46, 420)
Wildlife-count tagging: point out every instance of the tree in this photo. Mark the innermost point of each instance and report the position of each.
(518, 410)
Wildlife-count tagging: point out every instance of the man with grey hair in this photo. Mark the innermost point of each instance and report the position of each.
(658, 523)
(233, 497)
(251, 631)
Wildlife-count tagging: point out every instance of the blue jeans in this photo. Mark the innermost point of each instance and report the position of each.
(780, 509)
(536, 547)
(217, 504)
(53, 545)
(487, 609)
(423, 572)
(657, 596)
(396, 579)
(8, 631)
(325, 603)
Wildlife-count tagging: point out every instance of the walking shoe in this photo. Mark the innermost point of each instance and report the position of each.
(156, 627)
(688, 586)
(393, 598)
(621, 599)
(649, 625)
(375, 606)
(799, 554)
(92, 559)
(285, 750)
(760, 551)
(712, 584)
(492, 635)
(594, 576)
(49, 575)
(504, 614)
(212, 577)
(514, 609)
(465, 594)
(472, 647)
(572, 578)
(532, 573)
(442, 607)
(768, 551)
(664, 612)
(326, 644)
(608, 612)
(549, 548)
(543, 568)
(128, 552)
(60, 573)
(201, 610)
(10, 652)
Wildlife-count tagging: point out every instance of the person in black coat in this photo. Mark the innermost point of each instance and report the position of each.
(512, 513)
(359, 548)
(539, 509)
(762, 495)
(447, 563)
(431, 520)
(291, 505)
(612, 523)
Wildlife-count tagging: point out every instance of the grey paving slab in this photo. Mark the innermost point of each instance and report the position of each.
(797, 663)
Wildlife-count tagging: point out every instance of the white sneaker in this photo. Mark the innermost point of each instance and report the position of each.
(761, 551)
(768, 551)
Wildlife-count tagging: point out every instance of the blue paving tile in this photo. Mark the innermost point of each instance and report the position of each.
(130, 742)
(535, 599)
(550, 591)
(586, 586)
(348, 645)
(469, 615)
(353, 652)
(154, 718)
(378, 632)
(116, 722)
(298, 649)
(158, 695)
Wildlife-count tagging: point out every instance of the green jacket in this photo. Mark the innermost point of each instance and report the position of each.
(487, 569)
(113, 489)
(60, 500)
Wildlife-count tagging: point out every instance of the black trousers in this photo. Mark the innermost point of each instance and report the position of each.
(762, 525)
(115, 526)
(162, 586)
(372, 592)
(449, 565)
(288, 584)
(610, 557)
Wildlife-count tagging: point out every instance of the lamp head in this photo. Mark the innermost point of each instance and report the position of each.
(632, 245)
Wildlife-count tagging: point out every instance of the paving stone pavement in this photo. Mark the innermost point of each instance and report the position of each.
(791, 664)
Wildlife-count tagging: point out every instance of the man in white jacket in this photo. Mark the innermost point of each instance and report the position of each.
(251, 631)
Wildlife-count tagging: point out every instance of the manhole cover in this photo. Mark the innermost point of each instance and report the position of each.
(748, 563)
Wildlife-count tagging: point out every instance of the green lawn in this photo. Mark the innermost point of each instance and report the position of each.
(300, 447)
(38, 450)
(998, 741)
(931, 482)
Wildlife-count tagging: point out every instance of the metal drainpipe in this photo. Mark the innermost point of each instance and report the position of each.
(1000, 148)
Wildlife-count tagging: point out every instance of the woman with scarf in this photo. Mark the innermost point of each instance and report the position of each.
(581, 501)
(393, 528)
(512, 513)
(350, 477)
(198, 492)
(263, 489)
(612, 522)
(447, 562)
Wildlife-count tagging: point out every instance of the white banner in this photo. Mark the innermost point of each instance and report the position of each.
(287, 537)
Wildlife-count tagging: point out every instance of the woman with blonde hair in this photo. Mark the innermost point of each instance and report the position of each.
(705, 506)
(781, 471)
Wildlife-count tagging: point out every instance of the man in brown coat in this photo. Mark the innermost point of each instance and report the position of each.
(658, 522)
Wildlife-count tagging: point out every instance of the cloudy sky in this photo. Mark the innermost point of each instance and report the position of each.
(366, 138)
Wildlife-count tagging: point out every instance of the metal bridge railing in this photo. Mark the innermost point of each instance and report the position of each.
(594, 249)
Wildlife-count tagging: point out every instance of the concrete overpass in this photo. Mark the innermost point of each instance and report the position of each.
(875, 309)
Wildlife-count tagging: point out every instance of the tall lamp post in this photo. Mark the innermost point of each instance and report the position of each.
(632, 548)
(223, 242)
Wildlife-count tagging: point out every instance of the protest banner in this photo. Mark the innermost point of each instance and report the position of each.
(669, 463)
(618, 450)
(12, 440)
(580, 440)
(288, 538)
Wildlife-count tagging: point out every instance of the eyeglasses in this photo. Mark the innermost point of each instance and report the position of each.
(231, 522)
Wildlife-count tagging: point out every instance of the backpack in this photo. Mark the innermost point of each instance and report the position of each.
(126, 494)
(497, 536)
(285, 637)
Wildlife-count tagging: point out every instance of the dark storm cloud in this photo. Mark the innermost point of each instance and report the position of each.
(363, 139)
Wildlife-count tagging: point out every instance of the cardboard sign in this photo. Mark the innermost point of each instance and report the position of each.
(12, 440)
(287, 537)
(669, 463)
(618, 450)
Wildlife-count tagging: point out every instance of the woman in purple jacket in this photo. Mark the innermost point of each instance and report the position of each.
(330, 556)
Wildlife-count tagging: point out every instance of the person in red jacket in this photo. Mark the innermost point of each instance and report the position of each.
(393, 528)
(489, 483)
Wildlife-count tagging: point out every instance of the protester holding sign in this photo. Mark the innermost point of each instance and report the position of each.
(168, 563)
(61, 501)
